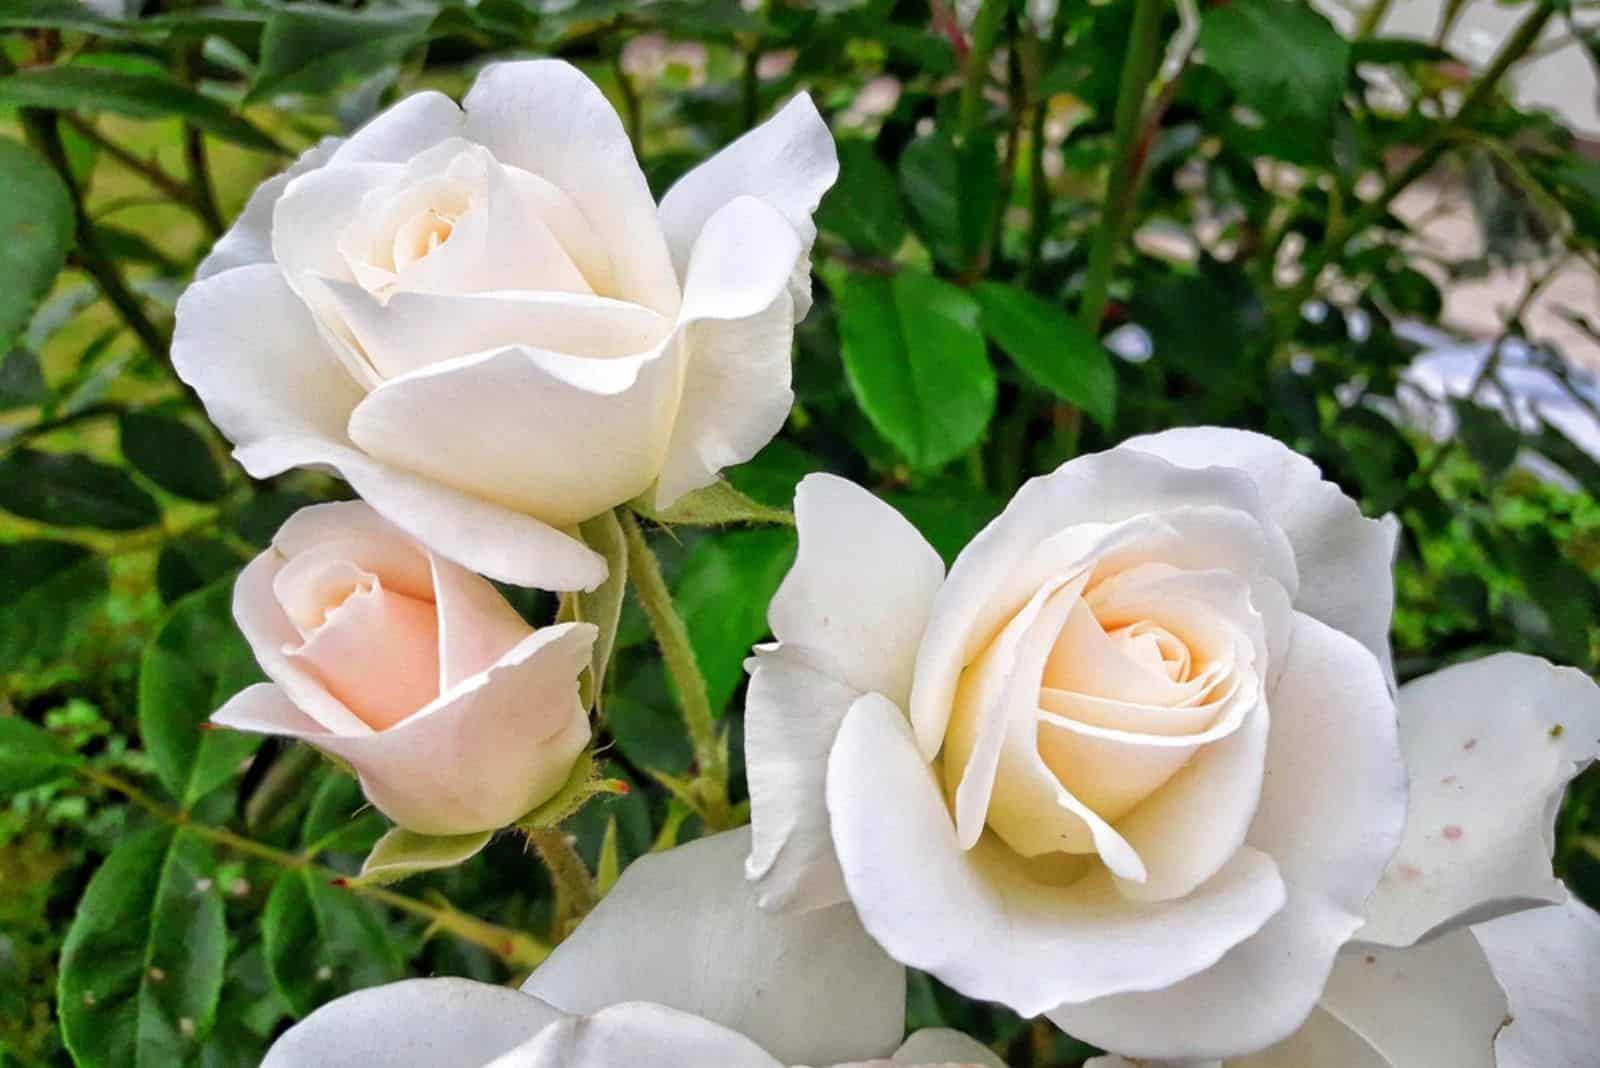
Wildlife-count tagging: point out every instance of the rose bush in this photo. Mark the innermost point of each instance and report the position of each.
(481, 319)
(676, 966)
(454, 713)
(1472, 954)
(1132, 764)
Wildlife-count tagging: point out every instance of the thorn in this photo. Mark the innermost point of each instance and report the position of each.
(206, 725)
(340, 882)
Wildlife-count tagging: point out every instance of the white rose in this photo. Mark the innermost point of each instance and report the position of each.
(456, 715)
(1132, 765)
(1469, 928)
(677, 966)
(480, 318)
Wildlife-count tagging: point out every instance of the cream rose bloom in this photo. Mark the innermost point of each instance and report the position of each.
(480, 318)
(1473, 954)
(676, 968)
(1132, 764)
(456, 715)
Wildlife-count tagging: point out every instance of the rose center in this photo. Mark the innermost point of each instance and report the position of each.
(420, 235)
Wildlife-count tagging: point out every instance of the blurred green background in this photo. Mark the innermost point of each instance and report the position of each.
(1057, 225)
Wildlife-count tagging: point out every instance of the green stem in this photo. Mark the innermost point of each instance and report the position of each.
(46, 134)
(202, 194)
(575, 893)
(644, 574)
(985, 35)
(513, 947)
(1371, 19)
(1442, 136)
(1138, 68)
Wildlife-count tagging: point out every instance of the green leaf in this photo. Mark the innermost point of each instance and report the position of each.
(138, 96)
(722, 592)
(312, 48)
(322, 941)
(48, 588)
(1284, 60)
(142, 966)
(602, 606)
(917, 363)
(35, 236)
(68, 490)
(953, 193)
(1491, 442)
(339, 818)
(195, 662)
(190, 563)
(863, 207)
(583, 783)
(22, 383)
(401, 853)
(649, 733)
(171, 454)
(31, 756)
(1056, 351)
(718, 504)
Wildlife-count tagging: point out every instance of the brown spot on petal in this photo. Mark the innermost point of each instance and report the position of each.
(1409, 872)
(1370, 959)
(1452, 832)
(1448, 780)
(1557, 731)
(1472, 743)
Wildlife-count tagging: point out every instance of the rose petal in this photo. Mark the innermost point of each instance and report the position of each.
(974, 920)
(397, 133)
(1491, 745)
(417, 1023)
(1321, 1040)
(1545, 959)
(483, 536)
(265, 708)
(415, 330)
(1346, 560)
(860, 589)
(489, 750)
(276, 378)
(636, 1033)
(314, 211)
(682, 928)
(1331, 813)
(547, 118)
(249, 240)
(986, 586)
(476, 625)
(939, 1045)
(789, 161)
(792, 713)
(558, 437)
(1432, 1004)
(381, 547)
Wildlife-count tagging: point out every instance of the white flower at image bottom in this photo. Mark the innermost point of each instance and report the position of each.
(481, 319)
(676, 968)
(456, 715)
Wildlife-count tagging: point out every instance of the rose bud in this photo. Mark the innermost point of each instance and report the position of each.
(456, 715)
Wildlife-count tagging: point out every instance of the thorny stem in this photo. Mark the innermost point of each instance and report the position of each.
(644, 574)
(1138, 68)
(514, 947)
(575, 892)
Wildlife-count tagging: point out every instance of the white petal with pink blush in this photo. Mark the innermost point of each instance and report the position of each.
(456, 715)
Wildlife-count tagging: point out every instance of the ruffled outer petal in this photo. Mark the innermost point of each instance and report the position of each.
(1491, 745)
(418, 1023)
(482, 755)
(1346, 561)
(546, 117)
(1548, 961)
(737, 329)
(789, 161)
(636, 1033)
(249, 239)
(975, 920)
(682, 929)
(858, 596)
(1331, 814)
